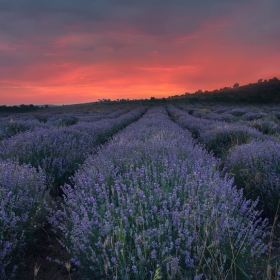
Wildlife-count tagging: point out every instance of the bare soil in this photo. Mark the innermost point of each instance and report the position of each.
(46, 246)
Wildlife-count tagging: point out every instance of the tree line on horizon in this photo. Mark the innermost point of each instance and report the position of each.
(20, 109)
(263, 91)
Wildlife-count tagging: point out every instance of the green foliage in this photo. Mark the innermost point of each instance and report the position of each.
(266, 127)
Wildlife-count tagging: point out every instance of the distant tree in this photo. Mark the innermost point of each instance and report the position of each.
(260, 80)
(275, 79)
(236, 85)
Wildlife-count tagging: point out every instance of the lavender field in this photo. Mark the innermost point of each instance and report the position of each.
(178, 191)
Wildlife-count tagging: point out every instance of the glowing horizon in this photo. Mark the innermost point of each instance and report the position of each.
(64, 52)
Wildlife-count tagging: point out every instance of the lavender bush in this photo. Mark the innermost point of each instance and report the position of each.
(266, 126)
(64, 120)
(10, 127)
(151, 205)
(21, 210)
(238, 112)
(251, 116)
(256, 168)
(221, 138)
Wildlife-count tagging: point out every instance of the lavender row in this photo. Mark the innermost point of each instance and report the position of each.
(14, 124)
(217, 136)
(267, 121)
(231, 113)
(252, 160)
(10, 127)
(59, 151)
(152, 205)
(21, 211)
(67, 119)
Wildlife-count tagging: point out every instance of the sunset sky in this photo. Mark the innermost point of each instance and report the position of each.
(70, 51)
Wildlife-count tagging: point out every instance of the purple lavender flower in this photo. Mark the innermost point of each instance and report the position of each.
(21, 211)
